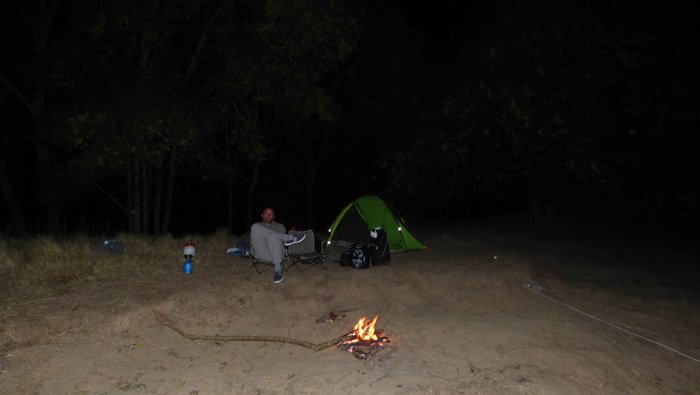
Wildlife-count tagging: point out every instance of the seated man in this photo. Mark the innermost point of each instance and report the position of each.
(268, 239)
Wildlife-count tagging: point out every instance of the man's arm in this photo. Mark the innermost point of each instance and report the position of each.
(278, 227)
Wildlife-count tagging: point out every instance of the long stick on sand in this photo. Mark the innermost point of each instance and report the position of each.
(163, 319)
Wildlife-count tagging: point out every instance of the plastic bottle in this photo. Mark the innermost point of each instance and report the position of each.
(188, 252)
(534, 287)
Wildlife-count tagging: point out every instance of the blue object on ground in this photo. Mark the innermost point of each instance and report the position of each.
(113, 247)
(187, 267)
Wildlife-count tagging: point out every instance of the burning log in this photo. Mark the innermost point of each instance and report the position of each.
(364, 341)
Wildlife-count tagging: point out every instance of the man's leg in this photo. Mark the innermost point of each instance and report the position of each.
(268, 245)
(275, 246)
(258, 244)
(258, 241)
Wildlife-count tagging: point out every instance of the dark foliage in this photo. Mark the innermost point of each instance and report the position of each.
(187, 116)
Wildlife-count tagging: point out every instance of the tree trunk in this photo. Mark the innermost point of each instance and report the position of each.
(314, 163)
(310, 206)
(229, 182)
(8, 193)
(230, 190)
(47, 186)
(158, 196)
(310, 181)
(169, 194)
(34, 101)
(146, 198)
(45, 18)
(251, 193)
(136, 196)
(129, 199)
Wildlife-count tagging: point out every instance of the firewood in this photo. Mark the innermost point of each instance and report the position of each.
(163, 319)
(363, 349)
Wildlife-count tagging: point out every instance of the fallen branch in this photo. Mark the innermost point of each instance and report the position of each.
(163, 319)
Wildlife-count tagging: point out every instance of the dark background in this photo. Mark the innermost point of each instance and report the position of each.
(188, 116)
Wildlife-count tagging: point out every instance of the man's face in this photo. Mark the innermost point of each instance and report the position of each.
(268, 215)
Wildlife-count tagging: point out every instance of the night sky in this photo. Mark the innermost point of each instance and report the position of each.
(189, 116)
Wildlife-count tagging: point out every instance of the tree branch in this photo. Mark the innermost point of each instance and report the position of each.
(112, 198)
(163, 319)
(200, 46)
(19, 95)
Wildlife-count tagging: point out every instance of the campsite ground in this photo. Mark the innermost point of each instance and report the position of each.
(457, 315)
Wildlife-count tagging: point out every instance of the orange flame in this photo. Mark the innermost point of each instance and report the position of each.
(364, 329)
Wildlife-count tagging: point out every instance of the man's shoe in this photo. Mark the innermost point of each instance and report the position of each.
(296, 238)
(277, 278)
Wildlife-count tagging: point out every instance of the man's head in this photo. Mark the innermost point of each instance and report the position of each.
(268, 215)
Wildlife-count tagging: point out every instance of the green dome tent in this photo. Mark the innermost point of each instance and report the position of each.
(366, 213)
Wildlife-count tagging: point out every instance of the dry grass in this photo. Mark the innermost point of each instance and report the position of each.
(46, 266)
(457, 315)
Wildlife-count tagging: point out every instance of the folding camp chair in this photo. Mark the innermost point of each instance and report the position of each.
(305, 252)
(287, 263)
(254, 262)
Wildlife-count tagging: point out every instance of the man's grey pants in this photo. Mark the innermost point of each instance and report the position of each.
(268, 245)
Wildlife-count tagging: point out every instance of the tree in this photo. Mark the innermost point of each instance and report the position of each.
(35, 39)
(138, 129)
(8, 191)
(281, 73)
(240, 72)
(581, 97)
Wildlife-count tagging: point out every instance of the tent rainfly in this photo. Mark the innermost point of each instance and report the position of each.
(366, 213)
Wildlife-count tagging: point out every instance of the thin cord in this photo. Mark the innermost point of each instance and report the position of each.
(613, 325)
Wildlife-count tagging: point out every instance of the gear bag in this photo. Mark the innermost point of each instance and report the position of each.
(359, 257)
(380, 247)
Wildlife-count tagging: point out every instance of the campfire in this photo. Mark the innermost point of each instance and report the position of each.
(364, 340)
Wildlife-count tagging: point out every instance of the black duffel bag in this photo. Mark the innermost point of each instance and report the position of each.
(359, 256)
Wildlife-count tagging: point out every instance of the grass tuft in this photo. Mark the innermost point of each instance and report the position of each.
(45, 266)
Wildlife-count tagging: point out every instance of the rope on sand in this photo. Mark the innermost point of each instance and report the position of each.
(613, 325)
(163, 319)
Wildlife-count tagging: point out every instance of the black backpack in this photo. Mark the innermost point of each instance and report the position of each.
(359, 256)
(380, 247)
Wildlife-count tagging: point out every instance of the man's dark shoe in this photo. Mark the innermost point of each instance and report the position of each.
(277, 278)
(296, 238)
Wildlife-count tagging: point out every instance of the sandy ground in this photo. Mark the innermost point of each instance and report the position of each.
(457, 315)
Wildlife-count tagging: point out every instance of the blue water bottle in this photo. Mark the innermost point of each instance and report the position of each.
(189, 255)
